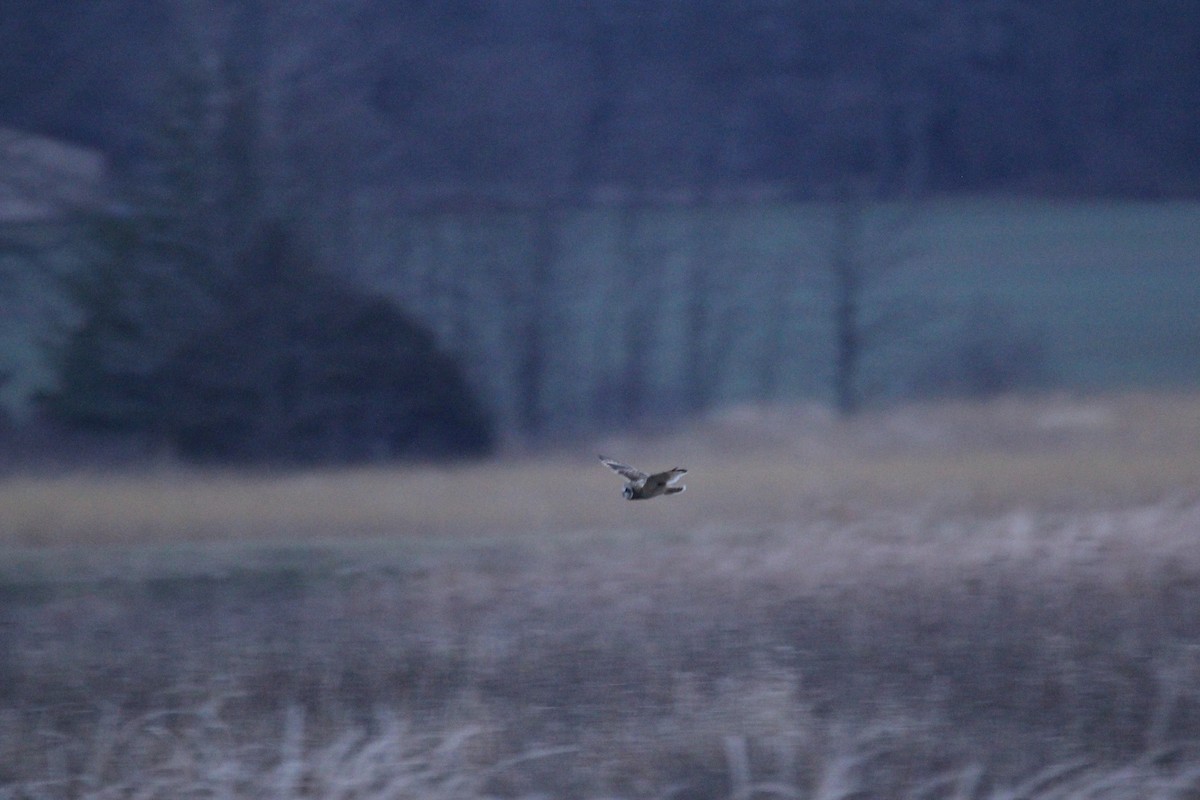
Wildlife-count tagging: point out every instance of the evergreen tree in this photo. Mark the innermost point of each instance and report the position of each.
(203, 326)
(289, 364)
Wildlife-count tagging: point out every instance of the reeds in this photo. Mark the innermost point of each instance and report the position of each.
(865, 645)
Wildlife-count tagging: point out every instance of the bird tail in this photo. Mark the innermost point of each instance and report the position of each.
(674, 489)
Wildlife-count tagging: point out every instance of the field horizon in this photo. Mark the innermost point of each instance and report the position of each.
(747, 464)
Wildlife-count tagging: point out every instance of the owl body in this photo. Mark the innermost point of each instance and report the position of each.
(642, 485)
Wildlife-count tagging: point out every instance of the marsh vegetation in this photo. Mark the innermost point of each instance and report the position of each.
(968, 601)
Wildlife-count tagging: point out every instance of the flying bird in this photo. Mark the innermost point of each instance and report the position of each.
(642, 486)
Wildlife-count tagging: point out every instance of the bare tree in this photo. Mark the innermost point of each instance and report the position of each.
(536, 316)
(846, 270)
(702, 312)
(876, 318)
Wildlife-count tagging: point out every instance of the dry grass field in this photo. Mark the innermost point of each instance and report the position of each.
(749, 466)
(997, 600)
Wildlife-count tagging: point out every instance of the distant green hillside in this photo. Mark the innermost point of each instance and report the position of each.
(1101, 294)
(1115, 287)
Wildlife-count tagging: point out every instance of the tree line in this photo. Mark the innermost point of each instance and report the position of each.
(580, 216)
(1058, 96)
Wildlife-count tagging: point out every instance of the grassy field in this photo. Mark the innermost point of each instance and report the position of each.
(995, 600)
(750, 466)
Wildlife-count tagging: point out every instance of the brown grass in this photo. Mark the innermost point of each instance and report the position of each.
(749, 466)
(835, 658)
(946, 602)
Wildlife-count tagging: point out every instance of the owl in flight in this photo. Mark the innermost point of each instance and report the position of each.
(642, 486)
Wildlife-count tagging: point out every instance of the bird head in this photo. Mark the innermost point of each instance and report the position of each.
(627, 492)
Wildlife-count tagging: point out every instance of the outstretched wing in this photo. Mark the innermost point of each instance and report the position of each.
(668, 477)
(624, 470)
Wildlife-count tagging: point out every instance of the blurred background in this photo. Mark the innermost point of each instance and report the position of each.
(344, 231)
(314, 315)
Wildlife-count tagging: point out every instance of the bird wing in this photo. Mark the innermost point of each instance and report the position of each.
(668, 477)
(623, 470)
